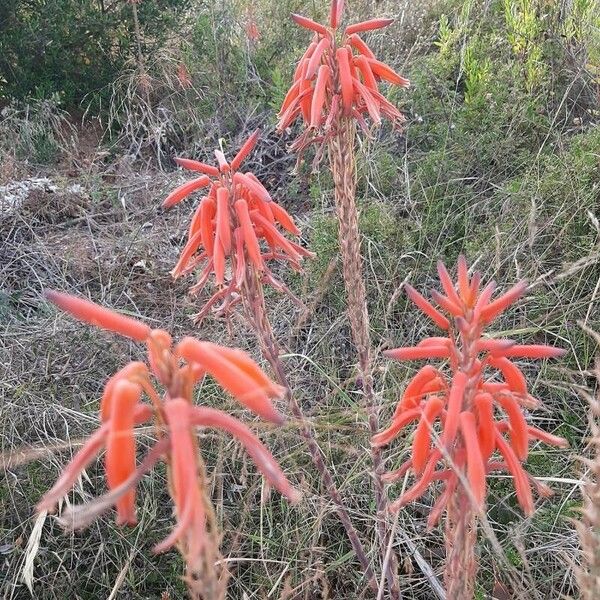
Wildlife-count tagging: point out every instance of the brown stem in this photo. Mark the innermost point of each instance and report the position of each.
(461, 533)
(341, 157)
(256, 313)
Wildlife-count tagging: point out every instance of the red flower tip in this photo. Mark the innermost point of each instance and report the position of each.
(91, 313)
(368, 25)
(310, 24)
(335, 13)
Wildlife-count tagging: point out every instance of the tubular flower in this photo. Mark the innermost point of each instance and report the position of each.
(235, 215)
(176, 370)
(338, 75)
(467, 419)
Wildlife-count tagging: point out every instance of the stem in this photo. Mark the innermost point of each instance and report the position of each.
(341, 157)
(256, 313)
(461, 534)
(461, 519)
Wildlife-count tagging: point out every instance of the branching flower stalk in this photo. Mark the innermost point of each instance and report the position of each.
(177, 370)
(456, 414)
(231, 220)
(335, 87)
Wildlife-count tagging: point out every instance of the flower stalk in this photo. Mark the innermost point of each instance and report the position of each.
(456, 412)
(231, 231)
(341, 156)
(335, 88)
(168, 379)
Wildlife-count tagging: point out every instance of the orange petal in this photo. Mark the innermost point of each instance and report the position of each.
(521, 481)
(196, 219)
(455, 405)
(417, 353)
(318, 101)
(223, 222)
(533, 351)
(368, 25)
(178, 194)
(284, 218)
(413, 393)
(186, 254)
(495, 308)
(420, 486)
(364, 67)
(438, 318)
(335, 13)
(363, 92)
(383, 438)
(447, 304)
(463, 281)
(120, 446)
(276, 238)
(547, 438)
(447, 284)
(254, 187)
(219, 262)
(303, 62)
(315, 59)
(511, 373)
(290, 98)
(223, 164)
(486, 429)
(191, 528)
(518, 425)
(132, 371)
(245, 388)
(194, 165)
(211, 417)
(360, 45)
(207, 213)
(385, 72)
(475, 466)
(241, 209)
(310, 24)
(440, 504)
(422, 439)
(345, 76)
(91, 313)
(245, 150)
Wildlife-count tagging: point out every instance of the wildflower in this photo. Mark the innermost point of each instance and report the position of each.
(338, 77)
(465, 416)
(234, 216)
(178, 369)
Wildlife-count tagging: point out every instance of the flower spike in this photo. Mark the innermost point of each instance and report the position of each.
(456, 412)
(178, 369)
(227, 236)
(352, 74)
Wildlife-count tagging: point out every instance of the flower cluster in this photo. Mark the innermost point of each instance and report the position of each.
(177, 369)
(234, 216)
(457, 414)
(338, 78)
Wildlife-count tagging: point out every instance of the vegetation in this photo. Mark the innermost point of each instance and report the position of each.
(498, 161)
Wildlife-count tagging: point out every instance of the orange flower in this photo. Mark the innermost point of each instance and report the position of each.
(455, 411)
(336, 76)
(178, 369)
(233, 218)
